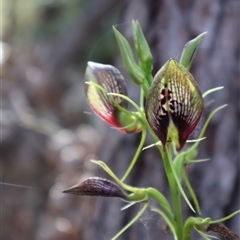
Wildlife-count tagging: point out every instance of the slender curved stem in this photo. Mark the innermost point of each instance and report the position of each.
(166, 208)
(225, 218)
(175, 193)
(211, 91)
(134, 160)
(191, 191)
(132, 221)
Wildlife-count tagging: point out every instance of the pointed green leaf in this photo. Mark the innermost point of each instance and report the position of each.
(189, 51)
(143, 50)
(134, 71)
(180, 187)
(192, 193)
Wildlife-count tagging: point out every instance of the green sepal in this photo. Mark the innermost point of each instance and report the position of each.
(189, 51)
(211, 91)
(143, 51)
(191, 192)
(134, 71)
(225, 218)
(194, 222)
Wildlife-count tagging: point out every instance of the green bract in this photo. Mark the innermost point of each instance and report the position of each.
(143, 51)
(190, 50)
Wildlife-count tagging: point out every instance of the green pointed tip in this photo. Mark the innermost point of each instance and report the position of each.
(134, 71)
(190, 50)
(143, 51)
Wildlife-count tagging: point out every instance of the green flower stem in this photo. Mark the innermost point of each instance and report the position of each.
(141, 100)
(145, 87)
(139, 149)
(175, 193)
(176, 196)
(145, 206)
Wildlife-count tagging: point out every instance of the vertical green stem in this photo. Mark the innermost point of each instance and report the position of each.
(175, 193)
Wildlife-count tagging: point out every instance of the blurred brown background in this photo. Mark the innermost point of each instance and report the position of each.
(48, 135)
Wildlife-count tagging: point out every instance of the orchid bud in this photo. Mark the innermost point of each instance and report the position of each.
(100, 80)
(174, 104)
(96, 186)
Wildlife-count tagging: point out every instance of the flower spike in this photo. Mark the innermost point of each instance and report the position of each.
(174, 104)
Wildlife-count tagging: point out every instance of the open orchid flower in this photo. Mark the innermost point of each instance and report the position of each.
(100, 80)
(174, 104)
